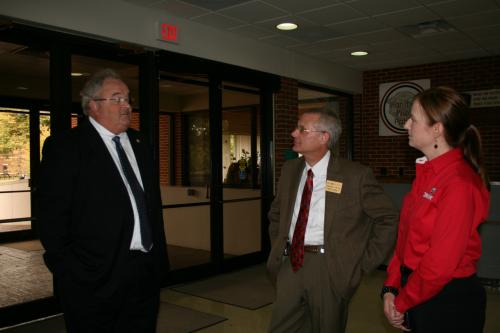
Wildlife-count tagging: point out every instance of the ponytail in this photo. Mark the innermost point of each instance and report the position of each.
(473, 152)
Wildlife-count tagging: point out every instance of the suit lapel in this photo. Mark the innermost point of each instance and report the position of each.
(295, 177)
(139, 152)
(331, 199)
(99, 152)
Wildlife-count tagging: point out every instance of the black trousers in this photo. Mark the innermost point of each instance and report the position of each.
(459, 307)
(131, 306)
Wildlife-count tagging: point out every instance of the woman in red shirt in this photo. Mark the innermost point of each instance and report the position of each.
(431, 284)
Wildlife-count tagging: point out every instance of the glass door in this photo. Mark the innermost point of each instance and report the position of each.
(241, 169)
(185, 168)
(23, 93)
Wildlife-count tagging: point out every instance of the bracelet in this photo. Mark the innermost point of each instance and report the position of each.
(388, 289)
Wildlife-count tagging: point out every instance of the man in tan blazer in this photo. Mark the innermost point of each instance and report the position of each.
(350, 228)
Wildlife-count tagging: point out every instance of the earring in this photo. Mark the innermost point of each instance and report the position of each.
(436, 144)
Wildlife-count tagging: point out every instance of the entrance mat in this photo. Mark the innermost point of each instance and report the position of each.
(52, 324)
(248, 288)
(171, 319)
(178, 319)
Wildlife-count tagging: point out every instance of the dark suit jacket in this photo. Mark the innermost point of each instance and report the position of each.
(85, 219)
(360, 222)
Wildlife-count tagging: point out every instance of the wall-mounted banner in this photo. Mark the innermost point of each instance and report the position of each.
(484, 98)
(395, 105)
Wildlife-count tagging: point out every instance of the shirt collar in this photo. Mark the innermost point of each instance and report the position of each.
(103, 131)
(439, 163)
(320, 167)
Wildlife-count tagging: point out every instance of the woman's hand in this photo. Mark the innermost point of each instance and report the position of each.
(394, 317)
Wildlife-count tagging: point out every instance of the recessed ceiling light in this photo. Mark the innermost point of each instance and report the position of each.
(287, 26)
(76, 74)
(21, 88)
(359, 53)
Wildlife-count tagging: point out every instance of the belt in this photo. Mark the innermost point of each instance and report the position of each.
(307, 248)
(314, 248)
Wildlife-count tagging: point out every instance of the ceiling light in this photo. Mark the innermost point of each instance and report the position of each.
(76, 74)
(21, 88)
(359, 53)
(287, 26)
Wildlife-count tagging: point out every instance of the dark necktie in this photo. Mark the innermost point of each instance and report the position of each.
(297, 248)
(139, 195)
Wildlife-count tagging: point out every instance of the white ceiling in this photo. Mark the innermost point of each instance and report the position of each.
(331, 29)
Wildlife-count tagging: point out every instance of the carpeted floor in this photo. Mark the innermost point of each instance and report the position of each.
(247, 288)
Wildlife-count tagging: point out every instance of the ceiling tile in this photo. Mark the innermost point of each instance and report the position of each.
(380, 36)
(296, 6)
(371, 7)
(467, 53)
(409, 45)
(476, 20)
(252, 31)
(215, 5)
(462, 7)
(180, 9)
(306, 31)
(143, 2)
(329, 45)
(483, 32)
(407, 17)
(357, 26)
(333, 14)
(281, 41)
(217, 21)
(311, 33)
(254, 11)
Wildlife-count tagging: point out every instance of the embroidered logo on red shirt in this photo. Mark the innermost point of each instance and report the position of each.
(429, 195)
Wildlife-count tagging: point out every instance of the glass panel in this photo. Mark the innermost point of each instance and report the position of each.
(240, 153)
(15, 162)
(24, 82)
(82, 67)
(44, 129)
(184, 178)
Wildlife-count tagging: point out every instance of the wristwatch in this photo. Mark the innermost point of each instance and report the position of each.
(388, 289)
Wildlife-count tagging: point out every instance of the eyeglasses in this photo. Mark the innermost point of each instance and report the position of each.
(118, 100)
(303, 130)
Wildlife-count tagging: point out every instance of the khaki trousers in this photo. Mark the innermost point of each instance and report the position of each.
(305, 300)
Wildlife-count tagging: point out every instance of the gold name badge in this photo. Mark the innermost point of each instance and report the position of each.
(333, 186)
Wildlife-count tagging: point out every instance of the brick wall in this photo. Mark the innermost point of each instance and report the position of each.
(285, 120)
(393, 153)
(164, 149)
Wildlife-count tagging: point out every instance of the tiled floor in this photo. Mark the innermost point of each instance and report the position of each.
(24, 277)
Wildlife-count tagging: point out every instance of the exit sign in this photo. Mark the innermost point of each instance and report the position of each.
(168, 32)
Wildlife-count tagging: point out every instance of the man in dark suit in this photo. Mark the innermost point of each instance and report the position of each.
(330, 223)
(100, 218)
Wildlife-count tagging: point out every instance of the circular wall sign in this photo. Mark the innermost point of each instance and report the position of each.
(395, 106)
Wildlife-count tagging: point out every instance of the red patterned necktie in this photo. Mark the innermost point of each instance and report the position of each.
(297, 248)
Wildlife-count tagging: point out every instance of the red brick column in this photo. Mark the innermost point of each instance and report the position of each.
(285, 120)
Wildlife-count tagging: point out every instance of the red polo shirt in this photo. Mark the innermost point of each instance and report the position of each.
(437, 236)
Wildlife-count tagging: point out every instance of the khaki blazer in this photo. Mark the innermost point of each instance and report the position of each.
(360, 222)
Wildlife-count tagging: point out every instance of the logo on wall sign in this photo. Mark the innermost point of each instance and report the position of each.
(395, 105)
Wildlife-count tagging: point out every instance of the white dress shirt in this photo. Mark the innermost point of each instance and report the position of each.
(107, 137)
(316, 220)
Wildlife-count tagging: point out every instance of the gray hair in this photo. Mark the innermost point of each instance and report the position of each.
(94, 84)
(329, 121)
